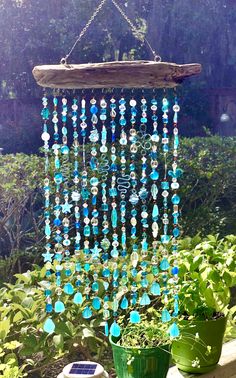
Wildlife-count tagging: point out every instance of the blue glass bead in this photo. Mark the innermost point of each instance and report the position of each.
(176, 232)
(49, 326)
(106, 273)
(165, 239)
(155, 211)
(165, 316)
(122, 122)
(115, 329)
(94, 200)
(78, 299)
(68, 272)
(47, 230)
(95, 286)
(155, 289)
(87, 230)
(145, 300)
(175, 199)
(87, 267)
(175, 270)
(134, 272)
(154, 175)
(94, 109)
(174, 330)
(96, 303)
(59, 307)
(68, 289)
(45, 113)
(49, 307)
(165, 148)
(58, 178)
(154, 118)
(47, 292)
(116, 274)
(144, 282)
(87, 313)
(164, 265)
(135, 317)
(124, 303)
(114, 218)
(65, 150)
(113, 192)
(105, 207)
(114, 253)
(165, 185)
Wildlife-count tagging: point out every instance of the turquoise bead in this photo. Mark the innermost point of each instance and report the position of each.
(155, 211)
(87, 313)
(68, 289)
(78, 299)
(175, 199)
(135, 317)
(124, 303)
(96, 303)
(114, 218)
(155, 289)
(174, 330)
(115, 329)
(49, 326)
(154, 175)
(165, 316)
(59, 307)
(145, 300)
(164, 265)
(95, 286)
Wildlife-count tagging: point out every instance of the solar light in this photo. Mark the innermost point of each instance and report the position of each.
(83, 369)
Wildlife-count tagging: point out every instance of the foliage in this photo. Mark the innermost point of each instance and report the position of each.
(20, 205)
(207, 272)
(21, 321)
(208, 189)
(149, 333)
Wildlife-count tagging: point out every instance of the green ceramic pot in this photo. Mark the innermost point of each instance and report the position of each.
(140, 363)
(199, 348)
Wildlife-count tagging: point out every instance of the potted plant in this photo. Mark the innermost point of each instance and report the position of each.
(207, 272)
(143, 349)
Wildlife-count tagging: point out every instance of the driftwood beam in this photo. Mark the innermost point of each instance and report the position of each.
(124, 74)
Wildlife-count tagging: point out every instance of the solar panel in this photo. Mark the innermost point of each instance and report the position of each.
(83, 369)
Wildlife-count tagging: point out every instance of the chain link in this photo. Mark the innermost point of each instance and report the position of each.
(84, 30)
(137, 34)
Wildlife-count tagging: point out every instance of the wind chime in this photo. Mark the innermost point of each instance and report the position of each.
(108, 217)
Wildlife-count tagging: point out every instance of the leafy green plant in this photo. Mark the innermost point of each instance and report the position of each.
(207, 273)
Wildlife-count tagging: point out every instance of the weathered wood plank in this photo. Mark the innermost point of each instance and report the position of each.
(132, 74)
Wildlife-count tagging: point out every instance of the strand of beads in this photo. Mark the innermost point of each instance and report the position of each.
(165, 238)
(94, 182)
(85, 194)
(75, 196)
(155, 287)
(133, 199)
(115, 330)
(175, 174)
(105, 243)
(58, 180)
(145, 146)
(49, 325)
(66, 206)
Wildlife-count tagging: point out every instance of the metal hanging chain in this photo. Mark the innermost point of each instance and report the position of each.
(84, 30)
(137, 34)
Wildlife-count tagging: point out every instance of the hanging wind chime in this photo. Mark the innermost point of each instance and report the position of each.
(108, 205)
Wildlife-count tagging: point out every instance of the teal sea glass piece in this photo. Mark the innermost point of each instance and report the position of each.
(87, 313)
(68, 289)
(124, 303)
(78, 299)
(174, 330)
(165, 316)
(49, 326)
(115, 329)
(155, 211)
(145, 300)
(135, 317)
(155, 289)
(164, 265)
(59, 307)
(96, 303)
